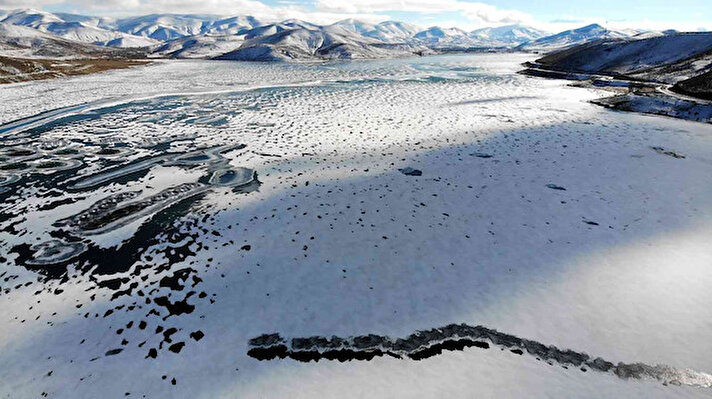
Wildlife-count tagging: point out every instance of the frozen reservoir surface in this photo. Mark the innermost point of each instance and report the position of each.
(156, 223)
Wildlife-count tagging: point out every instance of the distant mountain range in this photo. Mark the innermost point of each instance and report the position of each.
(247, 38)
(23, 42)
(77, 28)
(571, 38)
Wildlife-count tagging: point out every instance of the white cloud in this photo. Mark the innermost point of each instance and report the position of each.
(285, 9)
(643, 24)
(6, 4)
(481, 13)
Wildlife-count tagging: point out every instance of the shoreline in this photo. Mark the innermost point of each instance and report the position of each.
(17, 70)
(23, 69)
(632, 95)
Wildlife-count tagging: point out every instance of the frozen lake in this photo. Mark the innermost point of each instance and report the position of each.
(154, 220)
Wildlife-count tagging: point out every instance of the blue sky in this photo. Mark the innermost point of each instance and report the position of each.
(553, 15)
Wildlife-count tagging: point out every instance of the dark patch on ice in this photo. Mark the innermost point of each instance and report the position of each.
(113, 352)
(482, 155)
(555, 187)
(175, 281)
(197, 335)
(457, 337)
(175, 308)
(177, 347)
(264, 154)
(168, 333)
(670, 153)
(269, 352)
(408, 171)
(447, 345)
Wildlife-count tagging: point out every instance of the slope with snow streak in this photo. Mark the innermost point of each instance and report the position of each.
(337, 241)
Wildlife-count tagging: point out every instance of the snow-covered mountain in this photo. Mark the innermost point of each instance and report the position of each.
(572, 38)
(199, 46)
(30, 18)
(388, 31)
(437, 34)
(232, 25)
(491, 37)
(274, 28)
(506, 36)
(330, 42)
(163, 27)
(393, 31)
(355, 26)
(144, 30)
(77, 28)
(444, 38)
(23, 42)
(245, 37)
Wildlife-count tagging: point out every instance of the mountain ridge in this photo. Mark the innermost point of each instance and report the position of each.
(245, 37)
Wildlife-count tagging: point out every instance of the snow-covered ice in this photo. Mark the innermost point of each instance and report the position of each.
(537, 214)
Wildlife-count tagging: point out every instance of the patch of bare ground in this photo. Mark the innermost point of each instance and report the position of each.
(14, 70)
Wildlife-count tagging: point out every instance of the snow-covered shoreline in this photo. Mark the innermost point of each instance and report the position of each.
(661, 75)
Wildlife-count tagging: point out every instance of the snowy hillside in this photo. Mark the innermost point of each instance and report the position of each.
(271, 29)
(392, 31)
(355, 26)
(492, 37)
(24, 42)
(663, 58)
(165, 27)
(332, 42)
(571, 38)
(200, 46)
(660, 73)
(75, 28)
(162, 27)
(444, 38)
(503, 36)
(388, 31)
(231, 25)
